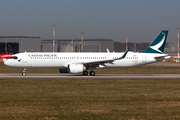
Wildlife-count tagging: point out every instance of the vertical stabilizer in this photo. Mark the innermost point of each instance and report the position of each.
(157, 46)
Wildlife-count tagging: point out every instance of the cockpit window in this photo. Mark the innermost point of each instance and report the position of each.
(14, 57)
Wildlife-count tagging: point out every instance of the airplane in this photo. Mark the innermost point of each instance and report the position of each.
(69, 62)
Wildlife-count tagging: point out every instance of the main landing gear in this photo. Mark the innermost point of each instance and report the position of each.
(85, 73)
(24, 72)
(92, 73)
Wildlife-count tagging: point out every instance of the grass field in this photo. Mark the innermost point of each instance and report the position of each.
(87, 99)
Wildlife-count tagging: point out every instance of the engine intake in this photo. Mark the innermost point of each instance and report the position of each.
(64, 70)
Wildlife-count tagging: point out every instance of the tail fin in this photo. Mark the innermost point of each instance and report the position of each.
(157, 46)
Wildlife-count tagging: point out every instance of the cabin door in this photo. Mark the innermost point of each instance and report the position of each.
(144, 58)
(24, 58)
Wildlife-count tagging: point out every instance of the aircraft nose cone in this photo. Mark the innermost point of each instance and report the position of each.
(6, 63)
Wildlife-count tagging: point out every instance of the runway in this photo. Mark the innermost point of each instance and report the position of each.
(98, 76)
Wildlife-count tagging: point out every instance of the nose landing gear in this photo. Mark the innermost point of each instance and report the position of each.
(24, 72)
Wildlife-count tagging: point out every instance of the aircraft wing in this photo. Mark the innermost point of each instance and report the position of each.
(102, 62)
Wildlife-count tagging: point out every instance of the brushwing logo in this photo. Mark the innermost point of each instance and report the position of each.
(157, 46)
(19, 60)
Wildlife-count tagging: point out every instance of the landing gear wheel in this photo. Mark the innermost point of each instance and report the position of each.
(92, 73)
(85, 72)
(24, 72)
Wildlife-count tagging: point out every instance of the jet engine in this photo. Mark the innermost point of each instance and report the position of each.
(76, 68)
(73, 68)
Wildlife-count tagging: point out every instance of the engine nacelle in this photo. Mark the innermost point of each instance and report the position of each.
(76, 68)
(64, 70)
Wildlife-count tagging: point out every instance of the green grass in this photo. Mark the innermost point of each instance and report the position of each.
(147, 69)
(106, 99)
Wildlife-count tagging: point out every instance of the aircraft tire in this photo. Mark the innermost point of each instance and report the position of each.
(23, 73)
(92, 73)
(85, 72)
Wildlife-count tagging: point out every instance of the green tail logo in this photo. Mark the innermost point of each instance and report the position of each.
(157, 46)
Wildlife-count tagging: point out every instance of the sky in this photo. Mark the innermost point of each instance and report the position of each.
(141, 20)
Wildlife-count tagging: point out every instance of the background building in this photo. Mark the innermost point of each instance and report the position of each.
(171, 49)
(89, 45)
(136, 47)
(20, 43)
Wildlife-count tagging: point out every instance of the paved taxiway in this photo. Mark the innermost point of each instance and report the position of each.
(98, 76)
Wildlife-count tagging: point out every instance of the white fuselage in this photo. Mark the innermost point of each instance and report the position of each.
(60, 60)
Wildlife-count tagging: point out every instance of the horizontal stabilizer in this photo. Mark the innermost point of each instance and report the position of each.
(159, 58)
